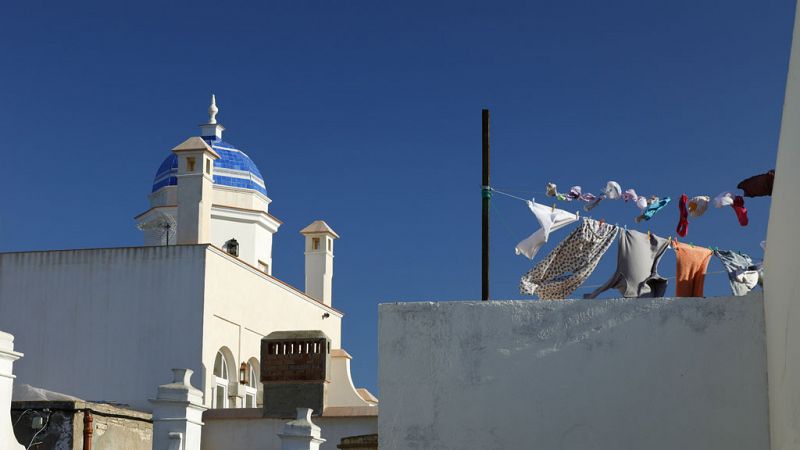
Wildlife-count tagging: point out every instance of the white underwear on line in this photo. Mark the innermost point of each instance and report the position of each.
(550, 220)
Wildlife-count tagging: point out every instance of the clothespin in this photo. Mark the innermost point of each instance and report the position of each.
(602, 220)
(554, 208)
(648, 234)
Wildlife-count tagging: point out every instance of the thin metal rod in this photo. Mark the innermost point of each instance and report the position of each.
(486, 195)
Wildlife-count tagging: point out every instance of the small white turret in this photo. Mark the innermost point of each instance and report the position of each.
(195, 184)
(319, 261)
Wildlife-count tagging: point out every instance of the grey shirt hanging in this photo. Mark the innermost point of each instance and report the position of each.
(637, 266)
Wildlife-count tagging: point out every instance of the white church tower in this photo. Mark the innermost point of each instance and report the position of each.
(208, 191)
(319, 260)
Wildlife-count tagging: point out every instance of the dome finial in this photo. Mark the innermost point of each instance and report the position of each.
(212, 129)
(213, 110)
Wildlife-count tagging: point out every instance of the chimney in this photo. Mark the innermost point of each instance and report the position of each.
(195, 184)
(319, 261)
(295, 371)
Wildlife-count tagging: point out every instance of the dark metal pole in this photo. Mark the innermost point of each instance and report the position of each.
(486, 195)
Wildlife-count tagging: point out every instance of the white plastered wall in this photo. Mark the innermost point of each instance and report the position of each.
(105, 324)
(243, 305)
(235, 213)
(782, 286)
(655, 374)
(341, 390)
(253, 231)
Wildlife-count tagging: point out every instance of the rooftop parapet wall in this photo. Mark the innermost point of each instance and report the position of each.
(575, 374)
(248, 429)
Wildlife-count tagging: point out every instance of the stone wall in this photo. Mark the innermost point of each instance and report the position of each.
(113, 428)
(656, 374)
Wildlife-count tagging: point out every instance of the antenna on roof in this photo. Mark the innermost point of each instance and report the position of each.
(163, 224)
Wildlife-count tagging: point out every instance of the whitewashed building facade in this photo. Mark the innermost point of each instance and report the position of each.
(108, 324)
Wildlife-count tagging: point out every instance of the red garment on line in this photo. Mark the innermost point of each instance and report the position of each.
(683, 223)
(740, 210)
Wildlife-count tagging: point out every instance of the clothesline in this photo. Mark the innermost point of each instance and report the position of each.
(508, 230)
(757, 186)
(491, 189)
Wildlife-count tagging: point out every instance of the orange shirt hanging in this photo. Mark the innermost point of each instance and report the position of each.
(692, 263)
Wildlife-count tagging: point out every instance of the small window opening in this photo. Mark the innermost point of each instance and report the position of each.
(190, 164)
(314, 243)
(208, 166)
(330, 245)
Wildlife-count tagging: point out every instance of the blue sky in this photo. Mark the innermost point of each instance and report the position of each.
(367, 115)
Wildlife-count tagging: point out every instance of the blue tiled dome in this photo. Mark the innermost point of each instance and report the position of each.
(233, 168)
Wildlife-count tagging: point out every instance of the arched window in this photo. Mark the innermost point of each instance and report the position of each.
(220, 389)
(251, 388)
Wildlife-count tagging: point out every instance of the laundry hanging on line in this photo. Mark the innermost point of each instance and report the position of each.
(654, 205)
(698, 205)
(612, 191)
(691, 265)
(571, 262)
(683, 221)
(755, 186)
(574, 259)
(743, 275)
(550, 219)
(758, 185)
(636, 274)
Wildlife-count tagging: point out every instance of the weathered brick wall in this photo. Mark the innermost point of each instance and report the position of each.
(292, 361)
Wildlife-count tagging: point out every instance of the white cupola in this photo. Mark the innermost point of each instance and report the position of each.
(209, 191)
